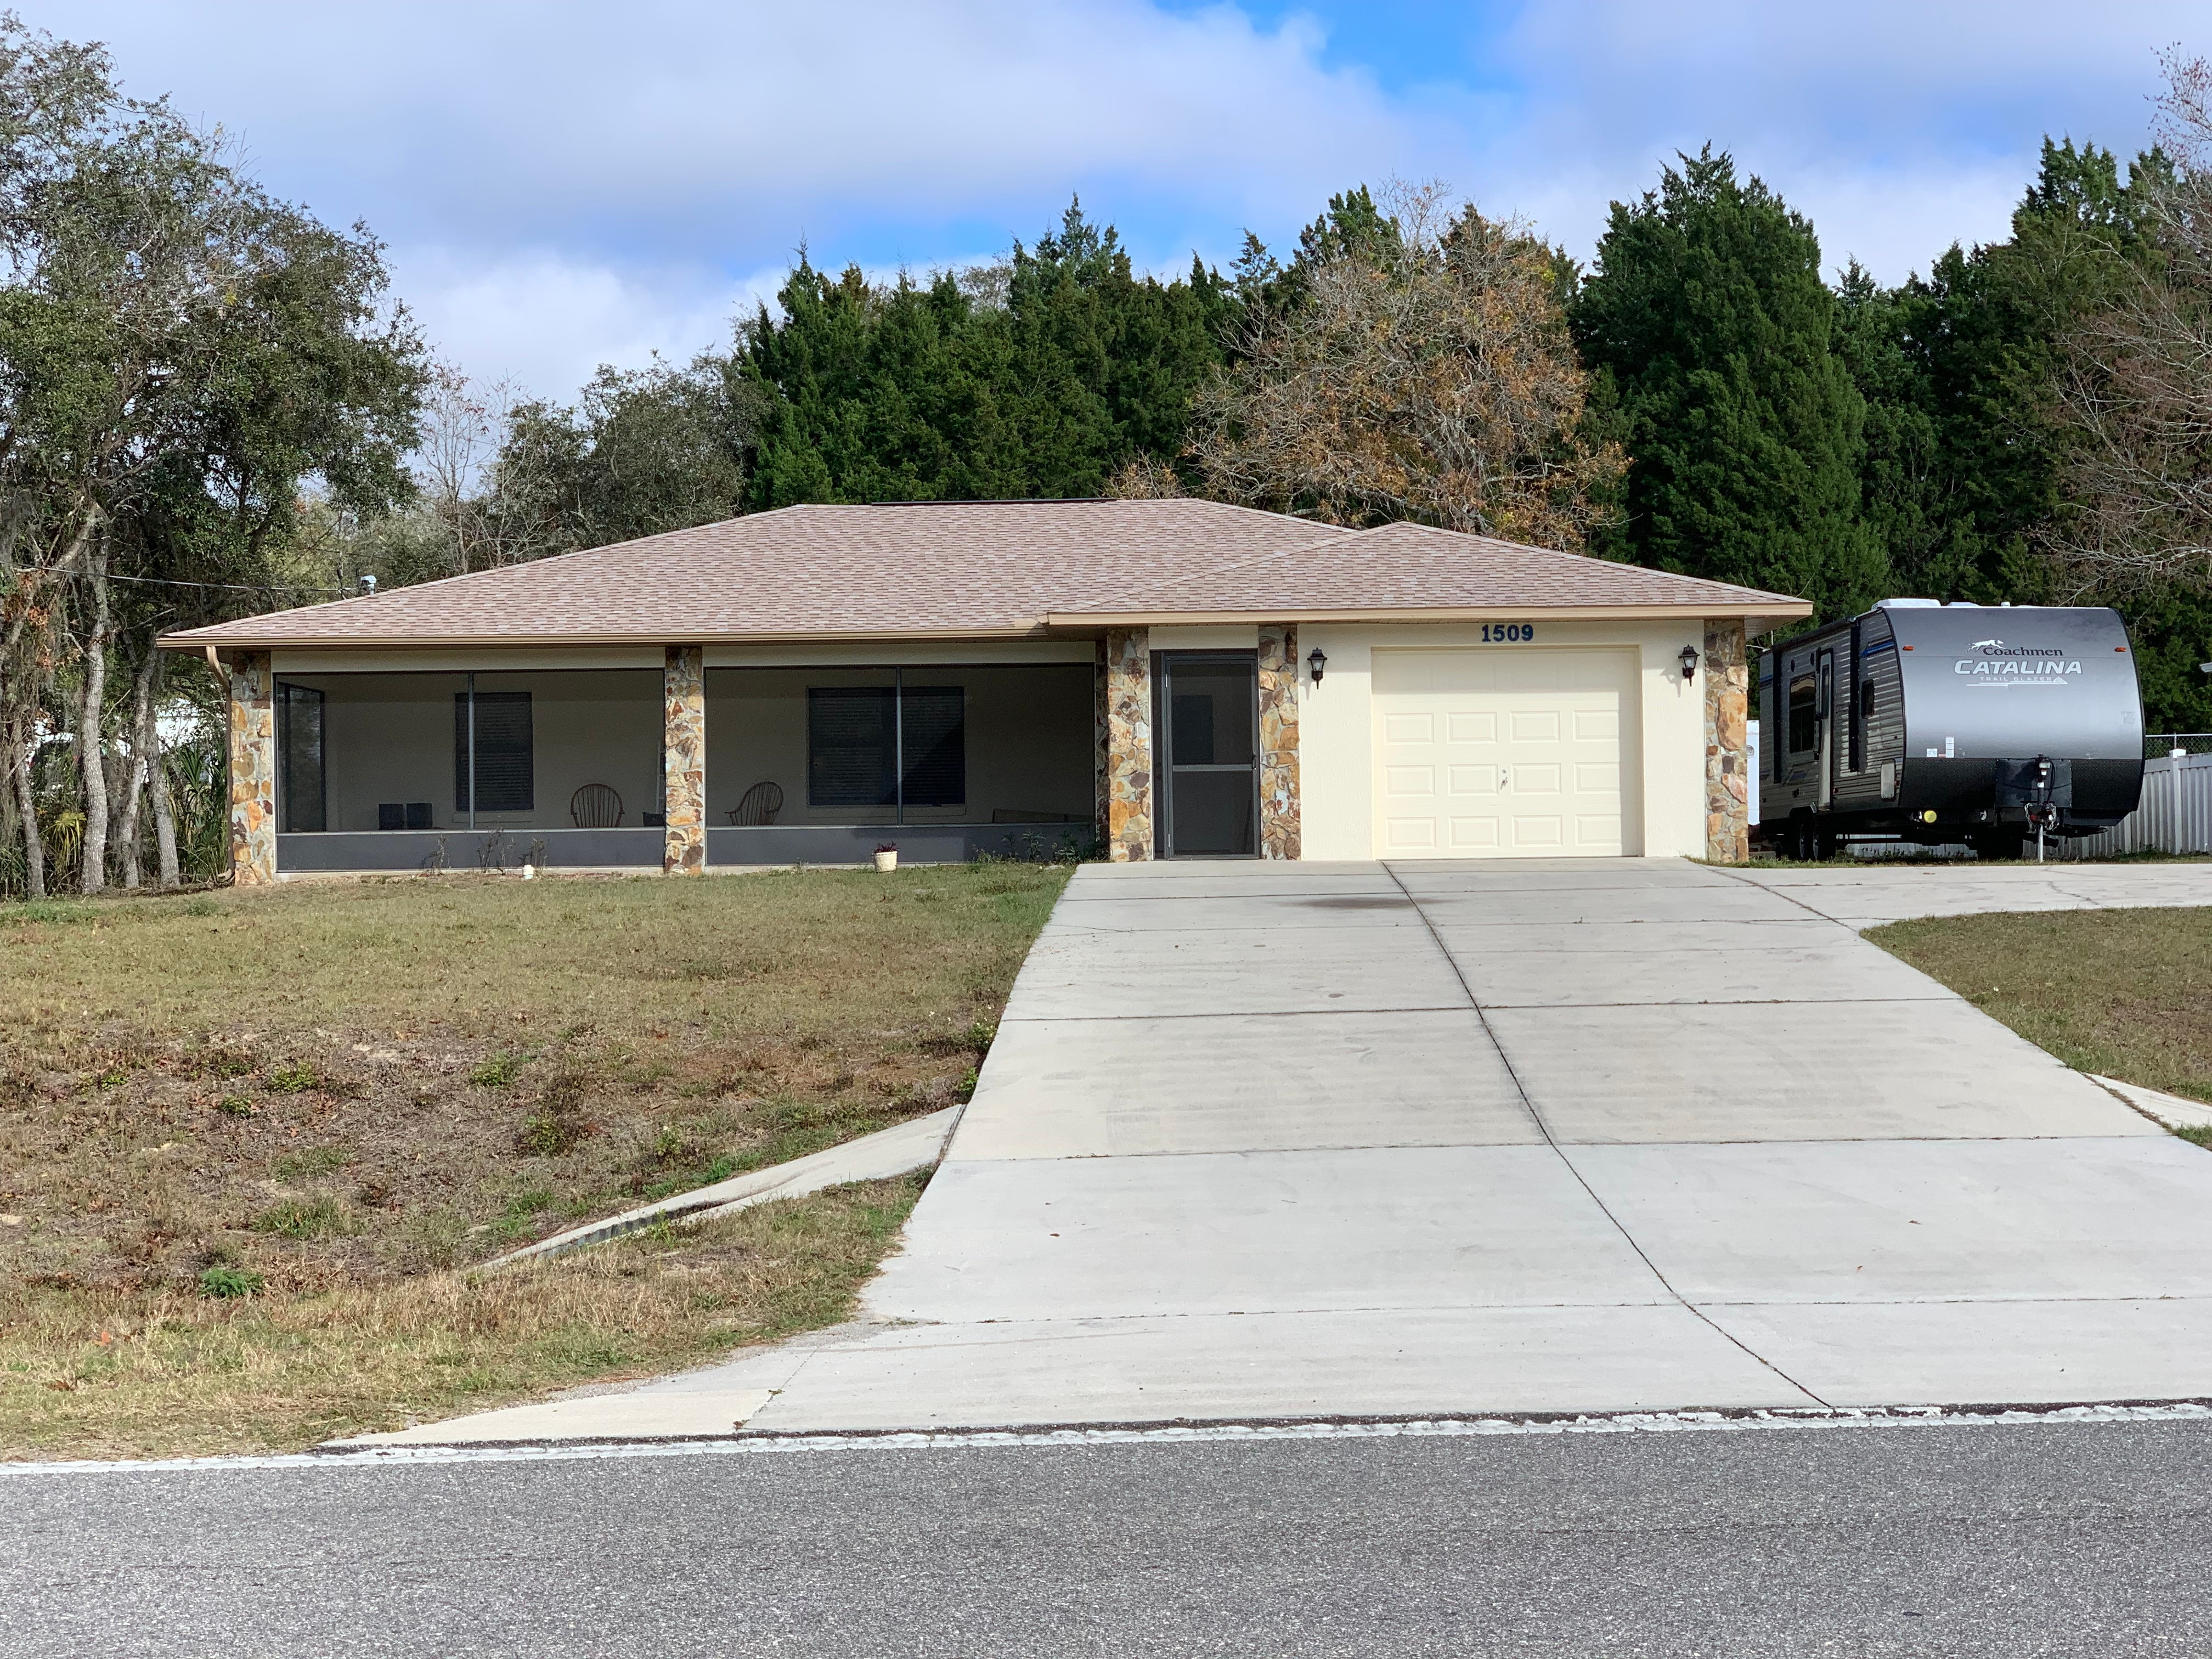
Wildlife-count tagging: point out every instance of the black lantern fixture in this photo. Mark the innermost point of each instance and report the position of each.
(1317, 660)
(1689, 662)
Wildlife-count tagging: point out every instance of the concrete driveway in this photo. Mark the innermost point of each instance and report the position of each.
(1265, 1140)
(1268, 1141)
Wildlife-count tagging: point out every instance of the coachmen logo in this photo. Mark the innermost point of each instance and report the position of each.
(2016, 660)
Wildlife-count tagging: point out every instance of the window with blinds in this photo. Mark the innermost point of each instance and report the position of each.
(506, 762)
(857, 736)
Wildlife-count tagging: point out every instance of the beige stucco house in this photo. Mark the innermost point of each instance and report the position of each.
(1177, 678)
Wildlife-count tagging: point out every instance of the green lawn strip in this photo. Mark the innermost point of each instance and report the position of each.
(2126, 994)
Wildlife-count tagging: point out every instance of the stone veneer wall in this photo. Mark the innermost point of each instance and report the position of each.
(684, 760)
(1279, 743)
(1727, 781)
(1128, 744)
(252, 770)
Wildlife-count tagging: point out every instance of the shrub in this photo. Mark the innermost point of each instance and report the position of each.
(549, 1133)
(231, 1281)
(497, 1072)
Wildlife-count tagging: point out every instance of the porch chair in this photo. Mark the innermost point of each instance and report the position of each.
(596, 806)
(759, 805)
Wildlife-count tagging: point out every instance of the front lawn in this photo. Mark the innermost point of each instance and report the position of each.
(251, 1141)
(2127, 994)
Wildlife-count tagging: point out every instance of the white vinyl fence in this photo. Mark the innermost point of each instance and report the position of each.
(2175, 816)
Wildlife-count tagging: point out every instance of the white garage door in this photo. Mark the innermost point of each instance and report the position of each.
(1512, 753)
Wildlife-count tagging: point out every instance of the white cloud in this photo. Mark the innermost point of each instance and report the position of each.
(566, 183)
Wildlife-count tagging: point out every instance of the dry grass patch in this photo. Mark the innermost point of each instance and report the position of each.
(89, 1373)
(2125, 993)
(332, 1093)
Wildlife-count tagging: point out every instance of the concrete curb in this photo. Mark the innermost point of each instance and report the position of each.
(897, 1151)
(2171, 1110)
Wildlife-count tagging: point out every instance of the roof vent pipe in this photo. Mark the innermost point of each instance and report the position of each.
(367, 584)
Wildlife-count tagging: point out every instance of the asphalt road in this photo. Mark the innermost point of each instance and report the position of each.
(2012, 1541)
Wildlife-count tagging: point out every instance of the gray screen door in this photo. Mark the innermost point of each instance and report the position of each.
(1208, 720)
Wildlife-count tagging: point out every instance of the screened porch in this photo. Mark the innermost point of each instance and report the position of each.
(407, 770)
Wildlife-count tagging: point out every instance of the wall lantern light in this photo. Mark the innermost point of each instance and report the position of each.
(1316, 661)
(1689, 662)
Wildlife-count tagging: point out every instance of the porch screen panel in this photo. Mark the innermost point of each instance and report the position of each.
(505, 758)
(851, 745)
(936, 745)
(300, 738)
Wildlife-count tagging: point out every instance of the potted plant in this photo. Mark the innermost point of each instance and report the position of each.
(887, 855)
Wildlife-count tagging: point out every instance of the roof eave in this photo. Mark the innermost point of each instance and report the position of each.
(197, 640)
(1773, 611)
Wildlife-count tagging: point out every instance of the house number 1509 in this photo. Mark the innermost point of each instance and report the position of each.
(1507, 633)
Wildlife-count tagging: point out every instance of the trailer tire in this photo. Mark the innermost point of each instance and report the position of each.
(1802, 838)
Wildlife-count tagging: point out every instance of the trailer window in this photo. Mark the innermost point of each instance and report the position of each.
(1804, 721)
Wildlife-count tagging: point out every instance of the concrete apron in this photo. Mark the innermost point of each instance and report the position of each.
(1283, 1141)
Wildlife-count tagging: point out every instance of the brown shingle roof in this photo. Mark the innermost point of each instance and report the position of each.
(973, 569)
(1412, 567)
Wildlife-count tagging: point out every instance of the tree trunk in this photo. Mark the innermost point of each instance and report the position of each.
(91, 740)
(157, 785)
(22, 756)
(134, 792)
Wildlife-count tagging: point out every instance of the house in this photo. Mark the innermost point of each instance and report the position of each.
(1181, 679)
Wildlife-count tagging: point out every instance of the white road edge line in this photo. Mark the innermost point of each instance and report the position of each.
(1432, 1428)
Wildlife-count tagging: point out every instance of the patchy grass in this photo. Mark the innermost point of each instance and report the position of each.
(342, 1095)
(97, 1373)
(2125, 993)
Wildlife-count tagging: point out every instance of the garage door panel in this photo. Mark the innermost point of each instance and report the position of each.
(1403, 781)
(1598, 833)
(1410, 834)
(1473, 780)
(1507, 752)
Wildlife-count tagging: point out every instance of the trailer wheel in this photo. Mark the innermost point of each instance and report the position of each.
(1802, 839)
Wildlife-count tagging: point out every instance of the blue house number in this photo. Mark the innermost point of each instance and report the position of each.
(1507, 633)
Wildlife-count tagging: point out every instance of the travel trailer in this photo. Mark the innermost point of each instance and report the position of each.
(1946, 723)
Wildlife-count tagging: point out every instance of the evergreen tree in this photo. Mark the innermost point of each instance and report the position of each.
(949, 392)
(1962, 461)
(1962, 360)
(1713, 343)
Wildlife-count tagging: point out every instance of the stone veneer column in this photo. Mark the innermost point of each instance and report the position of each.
(1727, 780)
(1128, 744)
(1279, 742)
(684, 760)
(1102, 751)
(252, 770)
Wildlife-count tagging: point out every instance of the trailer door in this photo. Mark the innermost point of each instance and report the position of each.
(1824, 709)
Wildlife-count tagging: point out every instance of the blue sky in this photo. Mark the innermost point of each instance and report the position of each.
(565, 183)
